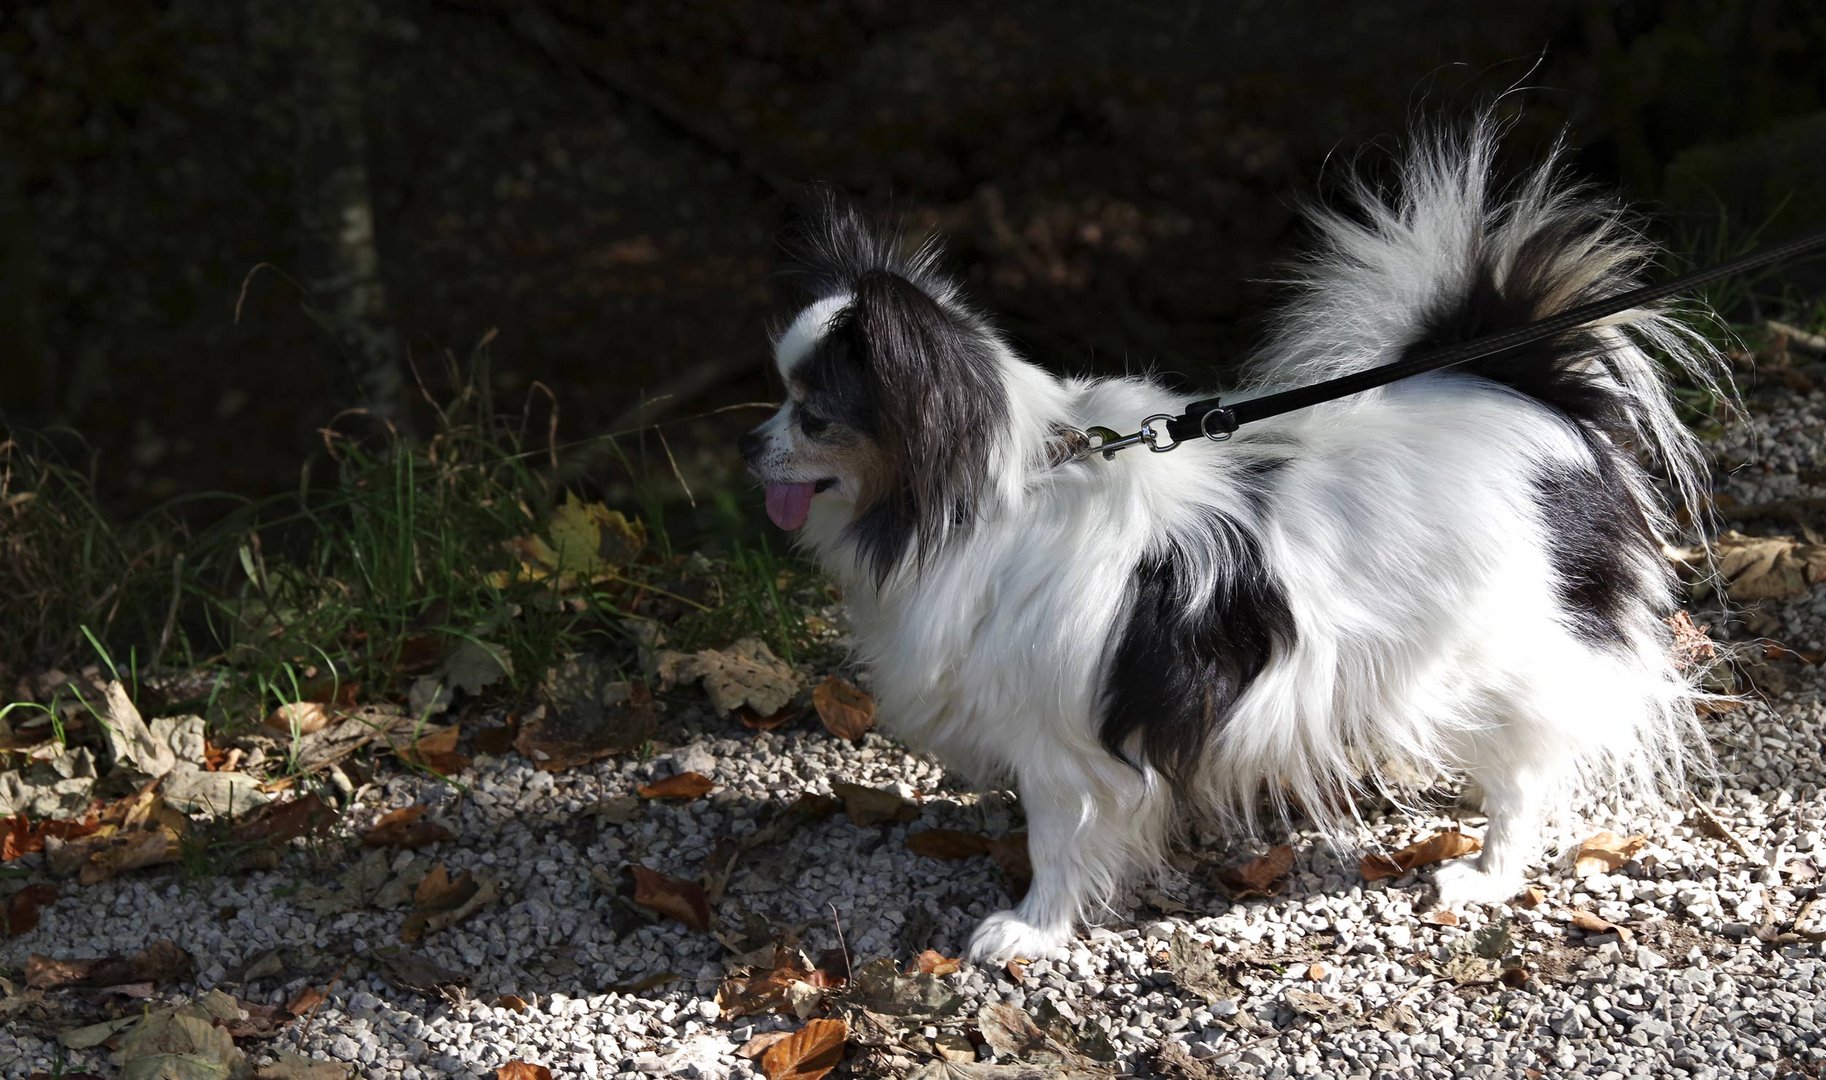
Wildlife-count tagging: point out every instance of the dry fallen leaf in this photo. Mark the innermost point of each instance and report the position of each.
(20, 835)
(1532, 897)
(441, 901)
(754, 721)
(933, 962)
(1593, 924)
(747, 673)
(278, 823)
(1606, 852)
(791, 985)
(161, 961)
(1017, 970)
(1316, 972)
(299, 717)
(403, 828)
(868, 806)
(306, 1001)
(947, 844)
(1767, 567)
(434, 748)
(1692, 646)
(513, 1002)
(685, 785)
(808, 1053)
(587, 722)
(20, 914)
(847, 712)
(1258, 877)
(520, 1070)
(1439, 847)
(1442, 917)
(685, 901)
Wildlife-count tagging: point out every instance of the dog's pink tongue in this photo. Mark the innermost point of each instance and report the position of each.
(788, 504)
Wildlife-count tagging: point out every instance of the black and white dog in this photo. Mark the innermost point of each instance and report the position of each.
(1458, 576)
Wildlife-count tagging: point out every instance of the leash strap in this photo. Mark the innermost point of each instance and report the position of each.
(1210, 418)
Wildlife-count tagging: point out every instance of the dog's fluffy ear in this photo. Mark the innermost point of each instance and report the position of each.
(825, 245)
(940, 402)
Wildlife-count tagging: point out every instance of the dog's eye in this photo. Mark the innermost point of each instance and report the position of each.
(812, 423)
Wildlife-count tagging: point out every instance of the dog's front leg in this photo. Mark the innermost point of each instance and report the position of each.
(1084, 834)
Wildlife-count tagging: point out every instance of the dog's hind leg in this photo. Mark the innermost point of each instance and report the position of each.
(1087, 829)
(1521, 769)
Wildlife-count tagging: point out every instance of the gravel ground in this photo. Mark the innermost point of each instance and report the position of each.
(1332, 977)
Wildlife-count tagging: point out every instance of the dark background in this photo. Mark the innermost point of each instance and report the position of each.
(598, 183)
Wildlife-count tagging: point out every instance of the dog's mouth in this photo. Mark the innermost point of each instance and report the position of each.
(788, 505)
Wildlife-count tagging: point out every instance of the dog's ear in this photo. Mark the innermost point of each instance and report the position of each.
(940, 401)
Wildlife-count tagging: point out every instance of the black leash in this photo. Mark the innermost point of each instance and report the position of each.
(1210, 418)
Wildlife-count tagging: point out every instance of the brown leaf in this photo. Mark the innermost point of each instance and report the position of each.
(440, 901)
(1606, 852)
(1439, 847)
(947, 844)
(808, 1053)
(520, 1070)
(20, 836)
(300, 717)
(1258, 877)
(1532, 897)
(773, 990)
(847, 712)
(435, 749)
(1442, 917)
(306, 1001)
(161, 961)
(1593, 924)
(279, 823)
(746, 673)
(1768, 568)
(1316, 972)
(497, 738)
(933, 962)
(685, 785)
(514, 1002)
(754, 721)
(671, 897)
(402, 829)
(1692, 645)
(21, 913)
(559, 739)
(868, 806)
(94, 859)
(1017, 970)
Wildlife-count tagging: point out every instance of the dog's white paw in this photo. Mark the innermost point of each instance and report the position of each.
(1465, 882)
(1005, 935)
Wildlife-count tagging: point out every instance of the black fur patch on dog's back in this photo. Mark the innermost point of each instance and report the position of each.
(1179, 669)
(1599, 543)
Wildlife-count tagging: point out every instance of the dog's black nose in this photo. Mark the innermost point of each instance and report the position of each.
(750, 445)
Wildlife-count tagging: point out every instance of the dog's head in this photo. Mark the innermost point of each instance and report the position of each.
(894, 396)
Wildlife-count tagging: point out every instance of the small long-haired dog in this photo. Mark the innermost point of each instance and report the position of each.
(1458, 576)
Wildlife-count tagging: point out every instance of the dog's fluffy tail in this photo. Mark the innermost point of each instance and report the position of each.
(1449, 256)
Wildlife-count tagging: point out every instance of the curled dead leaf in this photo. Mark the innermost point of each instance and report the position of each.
(758, 1045)
(808, 1053)
(278, 823)
(847, 712)
(1442, 917)
(522, 1070)
(1258, 877)
(306, 1001)
(20, 835)
(403, 828)
(754, 721)
(589, 722)
(1606, 852)
(684, 901)
(440, 901)
(513, 1002)
(933, 962)
(434, 748)
(1439, 847)
(685, 785)
(1594, 924)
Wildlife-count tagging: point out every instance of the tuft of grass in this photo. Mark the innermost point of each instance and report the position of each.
(391, 552)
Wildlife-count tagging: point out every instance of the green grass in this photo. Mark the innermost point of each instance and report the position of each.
(390, 553)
